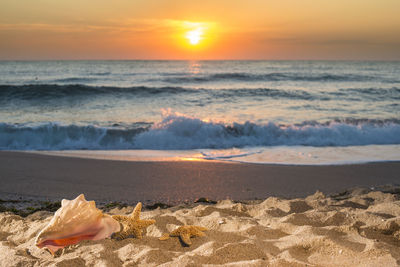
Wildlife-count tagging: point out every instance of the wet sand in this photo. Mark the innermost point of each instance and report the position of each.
(53, 177)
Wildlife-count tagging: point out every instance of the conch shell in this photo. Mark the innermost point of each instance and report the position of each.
(76, 220)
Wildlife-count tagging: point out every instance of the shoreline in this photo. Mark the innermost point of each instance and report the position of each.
(87, 154)
(276, 155)
(55, 177)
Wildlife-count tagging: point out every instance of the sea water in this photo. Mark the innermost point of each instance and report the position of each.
(291, 112)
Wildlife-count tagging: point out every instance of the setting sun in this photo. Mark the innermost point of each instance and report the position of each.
(194, 36)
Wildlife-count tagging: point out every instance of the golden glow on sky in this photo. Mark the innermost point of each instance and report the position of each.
(200, 29)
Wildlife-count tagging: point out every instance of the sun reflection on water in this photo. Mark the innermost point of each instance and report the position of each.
(194, 67)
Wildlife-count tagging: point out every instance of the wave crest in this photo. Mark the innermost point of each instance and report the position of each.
(182, 132)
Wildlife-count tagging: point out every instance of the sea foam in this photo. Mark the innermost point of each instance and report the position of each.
(178, 132)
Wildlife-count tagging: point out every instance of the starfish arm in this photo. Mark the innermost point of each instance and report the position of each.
(119, 218)
(176, 232)
(146, 223)
(185, 237)
(136, 212)
(137, 232)
(198, 233)
(201, 228)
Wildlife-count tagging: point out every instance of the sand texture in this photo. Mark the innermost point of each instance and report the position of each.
(355, 228)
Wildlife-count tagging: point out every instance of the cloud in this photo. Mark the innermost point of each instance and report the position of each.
(112, 26)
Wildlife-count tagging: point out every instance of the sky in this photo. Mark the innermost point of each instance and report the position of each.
(200, 29)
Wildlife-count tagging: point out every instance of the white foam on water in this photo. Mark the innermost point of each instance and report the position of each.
(287, 155)
(306, 155)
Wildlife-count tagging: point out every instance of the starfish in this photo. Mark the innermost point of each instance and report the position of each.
(185, 232)
(132, 225)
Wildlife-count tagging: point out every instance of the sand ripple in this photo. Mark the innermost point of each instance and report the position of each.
(356, 228)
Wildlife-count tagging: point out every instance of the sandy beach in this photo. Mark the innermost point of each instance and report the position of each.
(257, 215)
(355, 228)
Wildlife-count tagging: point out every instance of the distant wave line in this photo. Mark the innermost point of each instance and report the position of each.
(275, 76)
(38, 91)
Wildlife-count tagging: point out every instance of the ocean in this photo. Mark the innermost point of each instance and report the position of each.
(284, 112)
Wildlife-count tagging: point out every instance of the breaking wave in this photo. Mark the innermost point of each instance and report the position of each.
(181, 132)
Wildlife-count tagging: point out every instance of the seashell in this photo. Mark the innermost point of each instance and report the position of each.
(76, 220)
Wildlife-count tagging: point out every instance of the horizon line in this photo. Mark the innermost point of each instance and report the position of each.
(354, 60)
